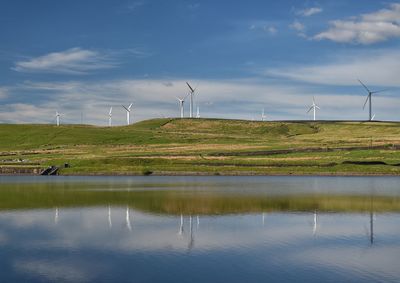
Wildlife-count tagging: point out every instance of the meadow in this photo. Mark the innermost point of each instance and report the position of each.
(205, 147)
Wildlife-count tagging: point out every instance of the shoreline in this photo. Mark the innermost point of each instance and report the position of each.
(193, 174)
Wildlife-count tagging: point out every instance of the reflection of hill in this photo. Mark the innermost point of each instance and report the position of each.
(185, 202)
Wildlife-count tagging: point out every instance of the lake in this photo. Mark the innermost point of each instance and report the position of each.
(199, 229)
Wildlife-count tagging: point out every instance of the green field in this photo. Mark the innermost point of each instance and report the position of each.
(205, 146)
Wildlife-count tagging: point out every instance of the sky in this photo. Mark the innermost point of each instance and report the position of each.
(82, 57)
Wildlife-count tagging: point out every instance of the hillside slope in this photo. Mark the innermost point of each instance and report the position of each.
(207, 146)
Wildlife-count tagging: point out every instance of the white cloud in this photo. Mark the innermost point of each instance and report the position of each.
(296, 25)
(377, 68)
(71, 61)
(309, 12)
(365, 29)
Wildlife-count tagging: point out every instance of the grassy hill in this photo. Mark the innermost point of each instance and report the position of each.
(206, 146)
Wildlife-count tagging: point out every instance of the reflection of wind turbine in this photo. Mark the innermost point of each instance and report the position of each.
(191, 93)
(263, 218)
(315, 223)
(109, 217)
(128, 112)
(371, 222)
(181, 105)
(369, 99)
(191, 240)
(110, 117)
(313, 107)
(198, 222)
(128, 221)
(56, 216)
(180, 232)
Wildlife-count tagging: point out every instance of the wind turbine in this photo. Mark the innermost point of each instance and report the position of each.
(58, 118)
(181, 106)
(198, 112)
(263, 116)
(128, 112)
(110, 117)
(191, 93)
(313, 107)
(369, 98)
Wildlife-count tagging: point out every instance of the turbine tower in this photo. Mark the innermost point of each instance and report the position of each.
(369, 98)
(181, 106)
(58, 118)
(110, 117)
(263, 116)
(198, 112)
(128, 112)
(191, 93)
(313, 107)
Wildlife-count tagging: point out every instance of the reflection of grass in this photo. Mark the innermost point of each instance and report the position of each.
(175, 202)
(207, 146)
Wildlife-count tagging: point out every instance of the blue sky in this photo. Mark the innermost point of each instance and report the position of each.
(82, 57)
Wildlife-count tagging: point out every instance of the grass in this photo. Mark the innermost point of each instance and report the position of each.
(206, 146)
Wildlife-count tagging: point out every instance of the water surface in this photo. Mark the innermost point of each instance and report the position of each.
(200, 229)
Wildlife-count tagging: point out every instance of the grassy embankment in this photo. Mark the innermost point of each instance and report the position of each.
(207, 146)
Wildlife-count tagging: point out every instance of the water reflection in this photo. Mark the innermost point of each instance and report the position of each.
(234, 243)
(91, 233)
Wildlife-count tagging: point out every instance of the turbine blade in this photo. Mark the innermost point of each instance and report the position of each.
(130, 105)
(317, 107)
(382, 90)
(364, 86)
(310, 109)
(365, 103)
(110, 111)
(126, 108)
(191, 89)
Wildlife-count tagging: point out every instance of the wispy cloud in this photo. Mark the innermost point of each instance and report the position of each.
(296, 25)
(71, 61)
(265, 27)
(309, 12)
(377, 68)
(365, 29)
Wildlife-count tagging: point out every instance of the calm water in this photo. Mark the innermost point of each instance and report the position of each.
(200, 229)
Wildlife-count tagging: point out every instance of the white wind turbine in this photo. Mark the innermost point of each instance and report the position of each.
(191, 93)
(313, 107)
(263, 116)
(58, 118)
(181, 105)
(128, 112)
(198, 112)
(369, 98)
(110, 117)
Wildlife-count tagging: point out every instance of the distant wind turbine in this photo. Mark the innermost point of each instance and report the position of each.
(128, 112)
(181, 105)
(369, 98)
(263, 116)
(198, 112)
(58, 118)
(191, 93)
(110, 117)
(313, 107)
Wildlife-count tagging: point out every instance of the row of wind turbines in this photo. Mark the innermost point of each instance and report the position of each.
(371, 117)
(181, 101)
